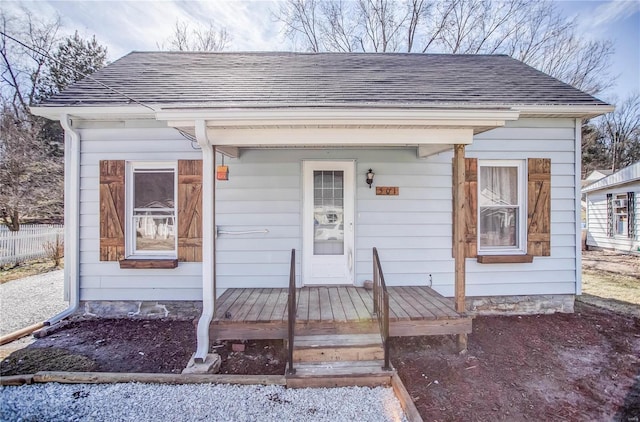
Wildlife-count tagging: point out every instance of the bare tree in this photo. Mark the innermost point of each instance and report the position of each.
(200, 38)
(620, 131)
(533, 32)
(35, 64)
(30, 178)
(20, 67)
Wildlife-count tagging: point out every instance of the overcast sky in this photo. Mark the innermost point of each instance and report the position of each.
(124, 26)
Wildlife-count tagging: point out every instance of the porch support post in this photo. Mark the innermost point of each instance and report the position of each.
(459, 234)
(208, 241)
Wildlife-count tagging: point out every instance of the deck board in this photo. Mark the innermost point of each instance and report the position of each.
(226, 301)
(366, 296)
(237, 304)
(358, 304)
(336, 305)
(242, 313)
(302, 311)
(314, 305)
(348, 306)
(414, 310)
(326, 313)
(410, 298)
(444, 310)
(258, 305)
(269, 305)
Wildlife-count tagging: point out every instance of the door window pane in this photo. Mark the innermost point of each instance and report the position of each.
(328, 213)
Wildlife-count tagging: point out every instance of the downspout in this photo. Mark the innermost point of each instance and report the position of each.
(71, 219)
(208, 242)
(578, 193)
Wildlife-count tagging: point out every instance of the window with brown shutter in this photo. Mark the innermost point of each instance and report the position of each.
(114, 242)
(538, 218)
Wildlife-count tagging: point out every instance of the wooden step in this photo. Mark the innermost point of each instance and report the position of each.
(367, 373)
(339, 347)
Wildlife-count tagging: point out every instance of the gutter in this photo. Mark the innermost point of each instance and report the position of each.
(71, 219)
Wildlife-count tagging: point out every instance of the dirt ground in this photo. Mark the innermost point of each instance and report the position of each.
(561, 367)
(582, 366)
(120, 345)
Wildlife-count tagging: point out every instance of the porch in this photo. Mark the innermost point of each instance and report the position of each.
(251, 314)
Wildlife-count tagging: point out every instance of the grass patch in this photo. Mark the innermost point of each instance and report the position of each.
(616, 292)
(26, 269)
(611, 286)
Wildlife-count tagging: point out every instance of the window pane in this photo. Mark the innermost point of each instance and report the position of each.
(328, 213)
(153, 189)
(498, 186)
(155, 231)
(154, 213)
(498, 227)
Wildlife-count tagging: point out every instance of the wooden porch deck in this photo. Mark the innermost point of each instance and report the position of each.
(251, 314)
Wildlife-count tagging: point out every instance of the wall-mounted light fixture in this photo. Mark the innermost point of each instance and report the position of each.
(370, 175)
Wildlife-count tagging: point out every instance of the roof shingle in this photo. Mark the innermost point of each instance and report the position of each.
(318, 79)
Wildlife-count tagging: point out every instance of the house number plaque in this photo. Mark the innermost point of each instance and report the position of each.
(387, 190)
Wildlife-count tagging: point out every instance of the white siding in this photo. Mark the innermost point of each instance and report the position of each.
(556, 274)
(105, 280)
(412, 231)
(597, 220)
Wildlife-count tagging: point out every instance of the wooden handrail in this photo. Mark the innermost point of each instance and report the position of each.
(381, 306)
(292, 310)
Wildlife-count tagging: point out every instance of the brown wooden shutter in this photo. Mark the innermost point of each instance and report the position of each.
(471, 207)
(190, 210)
(112, 197)
(539, 207)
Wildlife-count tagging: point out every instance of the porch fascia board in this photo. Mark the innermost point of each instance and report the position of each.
(340, 117)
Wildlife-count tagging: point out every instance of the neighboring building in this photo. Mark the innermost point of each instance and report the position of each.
(612, 211)
(300, 134)
(594, 176)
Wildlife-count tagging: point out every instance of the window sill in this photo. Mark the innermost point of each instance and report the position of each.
(148, 263)
(505, 259)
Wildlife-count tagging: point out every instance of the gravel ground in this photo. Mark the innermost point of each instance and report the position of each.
(30, 300)
(153, 402)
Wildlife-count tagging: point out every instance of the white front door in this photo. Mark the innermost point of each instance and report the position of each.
(327, 220)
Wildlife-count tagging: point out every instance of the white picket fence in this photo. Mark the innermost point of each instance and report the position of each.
(29, 242)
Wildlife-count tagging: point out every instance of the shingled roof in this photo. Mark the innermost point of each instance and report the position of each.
(322, 79)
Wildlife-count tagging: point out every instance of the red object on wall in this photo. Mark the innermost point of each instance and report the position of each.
(222, 173)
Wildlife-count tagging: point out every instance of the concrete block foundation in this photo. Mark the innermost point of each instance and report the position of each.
(176, 310)
(520, 305)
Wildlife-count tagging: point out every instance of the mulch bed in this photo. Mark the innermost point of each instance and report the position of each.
(582, 366)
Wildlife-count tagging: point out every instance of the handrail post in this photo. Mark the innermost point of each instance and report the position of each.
(387, 366)
(292, 310)
(381, 306)
(375, 281)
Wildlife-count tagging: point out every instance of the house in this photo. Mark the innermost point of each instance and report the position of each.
(612, 211)
(462, 170)
(594, 176)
